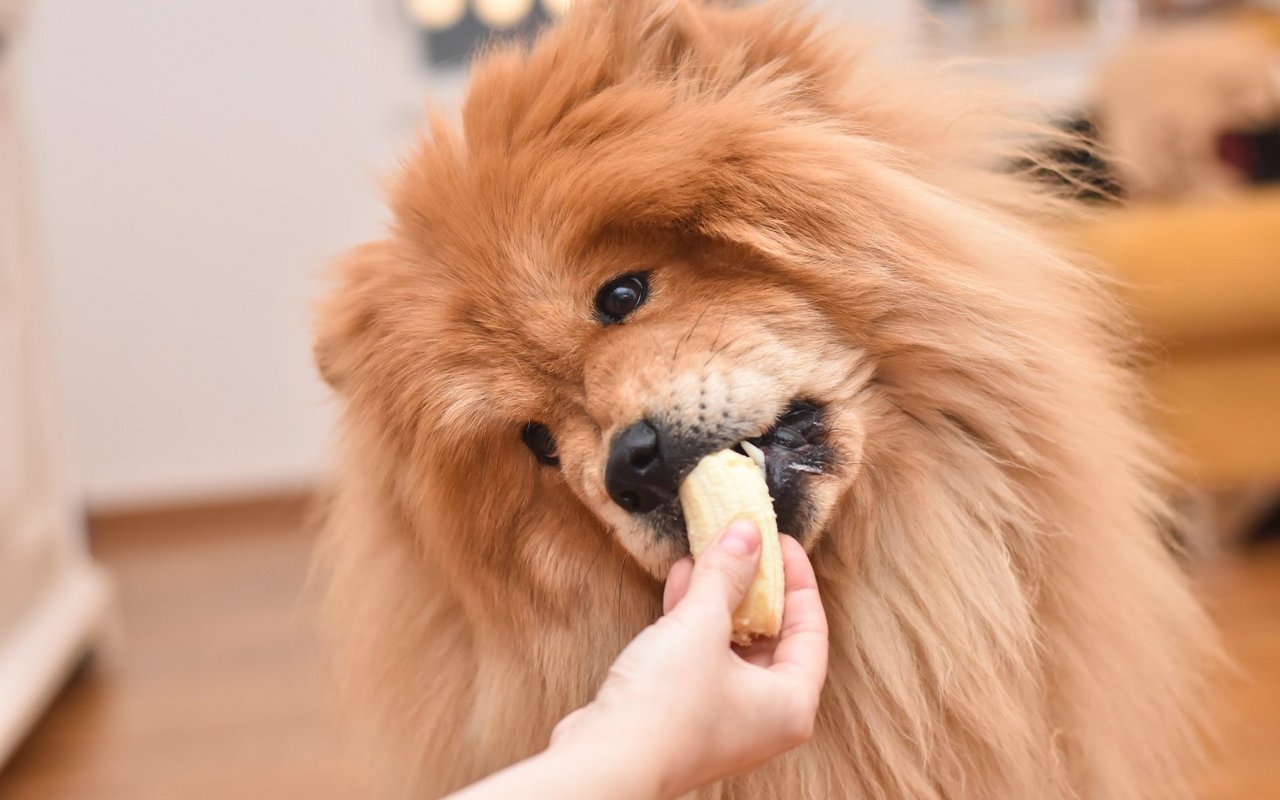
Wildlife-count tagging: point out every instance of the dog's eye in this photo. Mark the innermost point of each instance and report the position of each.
(620, 296)
(539, 440)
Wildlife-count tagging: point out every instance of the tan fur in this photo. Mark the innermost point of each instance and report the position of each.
(1005, 621)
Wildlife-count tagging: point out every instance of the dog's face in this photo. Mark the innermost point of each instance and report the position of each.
(614, 370)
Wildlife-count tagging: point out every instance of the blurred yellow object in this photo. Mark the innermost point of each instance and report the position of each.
(1204, 278)
(502, 14)
(1200, 271)
(1263, 20)
(1223, 409)
(437, 15)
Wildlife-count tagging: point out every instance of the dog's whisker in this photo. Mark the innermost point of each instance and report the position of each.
(715, 348)
(622, 570)
(718, 351)
(675, 355)
(912, 417)
(582, 582)
(719, 330)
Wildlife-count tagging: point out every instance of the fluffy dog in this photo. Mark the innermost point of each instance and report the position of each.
(1163, 101)
(666, 228)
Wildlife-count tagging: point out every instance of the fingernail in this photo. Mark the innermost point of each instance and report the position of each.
(741, 538)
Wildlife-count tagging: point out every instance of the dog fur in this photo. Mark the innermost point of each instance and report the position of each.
(1005, 621)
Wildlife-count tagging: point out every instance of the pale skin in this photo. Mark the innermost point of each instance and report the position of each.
(682, 707)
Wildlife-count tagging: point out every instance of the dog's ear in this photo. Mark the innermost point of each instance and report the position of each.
(344, 317)
(657, 36)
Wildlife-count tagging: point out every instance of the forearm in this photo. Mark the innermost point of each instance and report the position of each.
(579, 771)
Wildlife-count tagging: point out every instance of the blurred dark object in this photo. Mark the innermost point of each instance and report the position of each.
(1185, 8)
(455, 45)
(1242, 516)
(1013, 17)
(1078, 164)
(1255, 154)
(1267, 529)
(1074, 163)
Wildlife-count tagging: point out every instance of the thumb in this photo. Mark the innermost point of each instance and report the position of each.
(564, 726)
(724, 571)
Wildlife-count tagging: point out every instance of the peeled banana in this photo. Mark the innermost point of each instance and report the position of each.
(728, 486)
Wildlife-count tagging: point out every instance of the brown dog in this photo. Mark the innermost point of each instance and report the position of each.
(667, 228)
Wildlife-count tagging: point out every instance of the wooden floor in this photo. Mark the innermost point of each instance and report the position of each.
(216, 689)
(1243, 593)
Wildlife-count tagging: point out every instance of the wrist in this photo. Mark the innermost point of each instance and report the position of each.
(614, 766)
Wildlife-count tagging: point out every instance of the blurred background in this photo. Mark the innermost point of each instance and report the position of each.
(174, 176)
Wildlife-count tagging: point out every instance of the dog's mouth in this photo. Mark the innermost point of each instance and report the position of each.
(793, 450)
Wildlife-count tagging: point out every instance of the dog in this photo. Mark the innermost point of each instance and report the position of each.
(667, 227)
(1165, 101)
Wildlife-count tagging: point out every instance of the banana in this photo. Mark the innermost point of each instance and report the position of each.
(728, 486)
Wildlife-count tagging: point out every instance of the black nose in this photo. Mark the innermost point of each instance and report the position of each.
(637, 476)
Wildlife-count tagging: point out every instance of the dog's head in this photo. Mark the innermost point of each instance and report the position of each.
(667, 229)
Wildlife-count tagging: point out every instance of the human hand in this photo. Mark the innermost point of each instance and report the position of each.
(687, 705)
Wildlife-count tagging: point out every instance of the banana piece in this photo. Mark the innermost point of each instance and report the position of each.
(728, 486)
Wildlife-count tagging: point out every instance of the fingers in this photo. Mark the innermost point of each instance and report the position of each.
(759, 653)
(677, 583)
(802, 644)
(723, 573)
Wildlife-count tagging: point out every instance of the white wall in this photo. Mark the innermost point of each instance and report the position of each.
(197, 163)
